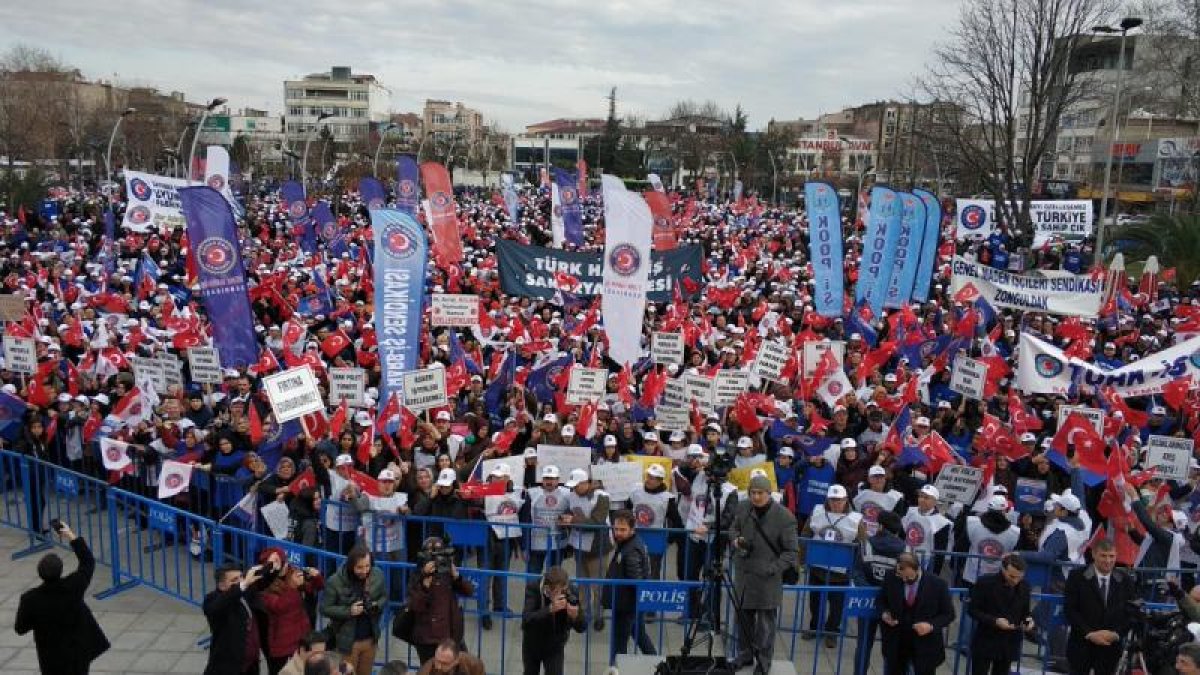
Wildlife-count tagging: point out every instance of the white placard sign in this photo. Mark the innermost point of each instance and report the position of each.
(20, 355)
(205, 364)
(515, 464)
(771, 359)
(667, 347)
(619, 478)
(1169, 457)
(700, 389)
(565, 457)
(959, 483)
(153, 202)
(586, 384)
(349, 384)
(1093, 415)
(813, 351)
(672, 418)
(293, 393)
(149, 371)
(728, 385)
(969, 377)
(448, 309)
(674, 395)
(424, 389)
(172, 371)
(1067, 294)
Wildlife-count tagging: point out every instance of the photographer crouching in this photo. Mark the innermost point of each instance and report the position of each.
(431, 598)
(551, 612)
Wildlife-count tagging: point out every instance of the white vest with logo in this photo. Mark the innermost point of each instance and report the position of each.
(834, 527)
(703, 511)
(580, 538)
(1076, 539)
(544, 510)
(650, 508)
(987, 548)
(920, 531)
(340, 516)
(384, 534)
(871, 503)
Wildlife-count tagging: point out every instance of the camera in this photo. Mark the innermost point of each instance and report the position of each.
(1157, 635)
(438, 551)
(719, 465)
(571, 597)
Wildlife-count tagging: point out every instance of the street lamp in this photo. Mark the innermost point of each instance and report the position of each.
(304, 161)
(111, 137)
(212, 105)
(382, 132)
(774, 179)
(179, 146)
(1127, 24)
(287, 153)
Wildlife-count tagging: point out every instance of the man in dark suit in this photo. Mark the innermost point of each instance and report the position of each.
(1000, 606)
(67, 636)
(235, 646)
(1096, 606)
(916, 610)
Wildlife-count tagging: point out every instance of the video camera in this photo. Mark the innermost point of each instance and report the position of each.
(439, 551)
(719, 465)
(1157, 635)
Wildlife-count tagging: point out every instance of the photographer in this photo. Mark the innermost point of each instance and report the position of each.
(284, 605)
(431, 598)
(353, 602)
(235, 639)
(551, 612)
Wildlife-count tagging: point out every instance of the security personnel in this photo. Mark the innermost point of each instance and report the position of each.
(876, 498)
(876, 557)
(926, 530)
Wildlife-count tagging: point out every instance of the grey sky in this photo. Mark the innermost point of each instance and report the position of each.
(517, 62)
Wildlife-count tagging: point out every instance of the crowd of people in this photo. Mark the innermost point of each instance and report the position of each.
(860, 468)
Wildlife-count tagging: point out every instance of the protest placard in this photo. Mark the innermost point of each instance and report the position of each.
(968, 377)
(1169, 457)
(740, 477)
(586, 384)
(666, 347)
(1030, 495)
(672, 418)
(205, 364)
(293, 393)
(728, 385)
(959, 483)
(349, 384)
(771, 359)
(424, 389)
(515, 464)
(447, 309)
(148, 371)
(20, 355)
(565, 457)
(12, 307)
(674, 395)
(647, 460)
(813, 351)
(619, 478)
(698, 388)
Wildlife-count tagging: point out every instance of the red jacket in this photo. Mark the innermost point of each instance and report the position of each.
(287, 620)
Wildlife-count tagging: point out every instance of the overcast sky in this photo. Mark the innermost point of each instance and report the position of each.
(517, 62)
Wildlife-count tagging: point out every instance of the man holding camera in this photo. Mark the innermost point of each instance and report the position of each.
(67, 636)
(431, 598)
(551, 612)
(354, 600)
(235, 636)
(763, 536)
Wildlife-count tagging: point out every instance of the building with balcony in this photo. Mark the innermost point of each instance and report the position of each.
(354, 101)
(444, 120)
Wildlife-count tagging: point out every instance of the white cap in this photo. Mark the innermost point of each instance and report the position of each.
(551, 418)
(650, 436)
(1179, 518)
(102, 399)
(997, 503)
(64, 398)
(930, 491)
(610, 440)
(446, 477)
(443, 415)
(577, 476)
(677, 436)
(944, 405)
(876, 470)
(656, 471)
(745, 442)
(835, 492)
(1068, 501)
(343, 460)
(568, 430)
(529, 452)
(849, 443)
(786, 452)
(1158, 410)
(500, 469)
(890, 377)
(363, 418)
(924, 421)
(386, 474)
(550, 471)
(695, 450)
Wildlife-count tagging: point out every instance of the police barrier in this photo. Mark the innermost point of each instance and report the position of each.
(174, 551)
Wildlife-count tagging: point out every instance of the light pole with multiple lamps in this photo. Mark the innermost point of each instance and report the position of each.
(1127, 24)
(304, 160)
(212, 105)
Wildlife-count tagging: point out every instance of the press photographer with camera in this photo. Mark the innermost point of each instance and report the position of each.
(354, 600)
(551, 612)
(431, 598)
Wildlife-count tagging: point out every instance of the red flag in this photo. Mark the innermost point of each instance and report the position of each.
(447, 243)
(965, 327)
(660, 211)
(256, 427)
(937, 450)
(1021, 419)
(1175, 392)
(363, 449)
(335, 343)
(653, 385)
(315, 424)
(743, 413)
(306, 479)
(624, 379)
(1137, 418)
(339, 419)
(292, 331)
(365, 483)
(473, 489)
(1001, 439)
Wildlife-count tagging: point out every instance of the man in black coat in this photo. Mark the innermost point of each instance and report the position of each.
(67, 636)
(551, 612)
(629, 561)
(1096, 606)
(1000, 606)
(917, 609)
(235, 643)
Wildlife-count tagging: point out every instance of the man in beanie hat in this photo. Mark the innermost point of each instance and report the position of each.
(763, 537)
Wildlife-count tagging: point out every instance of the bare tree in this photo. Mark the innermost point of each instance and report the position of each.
(1005, 74)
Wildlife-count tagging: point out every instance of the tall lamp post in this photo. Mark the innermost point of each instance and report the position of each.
(179, 147)
(112, 137)
(212, 105)
(382, 133)
(1127, 24)
(774, 179)
(304, 161)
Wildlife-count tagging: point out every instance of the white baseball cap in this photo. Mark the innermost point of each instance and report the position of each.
(499, 470)
(998, 503)
(387, 474)
(650, 436)
(695, 450)
(577, 476)
(786, 452)
(610, 440)
(1028, 437)
(849, 443)
(876, 470)
(922, 421)
(835, 492)
(1068, 501)
(656, 471)
(930, 491)
(447, 477)
(677, 436)
(550, 471)
(551, 418)
(444, 415)
(568, 430)
(529, 452)
(343, 460)
(745, 442)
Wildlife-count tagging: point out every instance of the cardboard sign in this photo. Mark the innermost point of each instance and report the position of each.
(448, 309)
(565, 457)
(620, 478)
(666, 347)
(728, 385)
(12, 307)
(425, 389)
(673, 418)
(645, 461)
(1170, 457)
(969, 377)
(148, 371)
(699, 388)
(172, 371)
(586, 384)
(959, 483)
(1093, 415)
(770, 360)
(20, 355)
(205, 364)
(349, 384)
(293, 393)
(813, 351)
(515, 464)
(674, 395)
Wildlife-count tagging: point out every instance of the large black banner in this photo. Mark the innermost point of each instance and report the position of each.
(529, 271)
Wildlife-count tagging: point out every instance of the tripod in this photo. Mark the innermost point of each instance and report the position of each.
(715, 581)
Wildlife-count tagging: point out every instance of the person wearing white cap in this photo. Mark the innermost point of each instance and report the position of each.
(654, 506)
(1064, 538)
(747, 455)
(875, 498)
(498, 551)
(382, 528)
(986, 538)
(341, 519)
(453, 442)
(587, 513)
(1161, 547)
(699, 513)
(836, 522)
(926, 530)
(545, 505)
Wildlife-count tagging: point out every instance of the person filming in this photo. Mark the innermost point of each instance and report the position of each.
(551, 612)
(431, 597)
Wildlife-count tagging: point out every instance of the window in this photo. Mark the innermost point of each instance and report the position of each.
(359, 112)
(295, 111)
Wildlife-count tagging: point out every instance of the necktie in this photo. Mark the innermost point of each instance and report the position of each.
(910, 594)
(1104, 591)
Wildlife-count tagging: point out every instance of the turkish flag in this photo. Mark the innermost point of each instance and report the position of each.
(1021, 419)
(335, 343)
(256, 426)
(1137, 418)
(937, 450)
(1003, 440)
(1175, 392)
(743, 413)
(307, 479)
(339, 419)
(365, 483)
